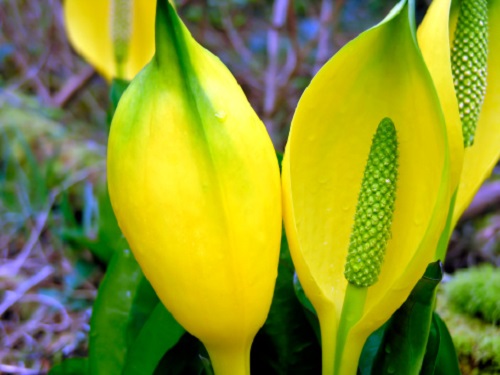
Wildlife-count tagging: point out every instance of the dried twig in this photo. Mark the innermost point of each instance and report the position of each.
(12, 297)
(232, 33)
(288, 68)
(31, 73)
(12, 268)
(292, 50)
(323, 52)
(54, 303)
(487, 197)
(9, 369)
(72, 86)
(280, 11)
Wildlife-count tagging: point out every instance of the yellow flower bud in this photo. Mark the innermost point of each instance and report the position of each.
(195, 186)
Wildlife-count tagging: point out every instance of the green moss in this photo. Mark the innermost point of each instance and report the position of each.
(477, 341)
(476, 291)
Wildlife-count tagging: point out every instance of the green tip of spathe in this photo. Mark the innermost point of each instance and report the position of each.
(170, 43)
(469, 63)
(375, 208)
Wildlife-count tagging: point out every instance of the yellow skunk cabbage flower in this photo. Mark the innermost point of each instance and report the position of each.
(115, 36)
(366, 179)
(460, 41)
(195, 186)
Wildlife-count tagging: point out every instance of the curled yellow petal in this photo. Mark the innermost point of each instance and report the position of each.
(194, 183)
(434, 41)
(436, 38)
(480, 158)
(89, 24)
(379, 74)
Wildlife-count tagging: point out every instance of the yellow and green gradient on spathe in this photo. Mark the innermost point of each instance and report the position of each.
(378, 75)
(169, 138)
(460, 43)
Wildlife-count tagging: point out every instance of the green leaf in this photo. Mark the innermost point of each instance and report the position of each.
(370, 351)
(109, 235)
(431, 352)
(440, 357)
(404, 342)
(71, 366)
(118, 87)
(160, 333)
(124, 301)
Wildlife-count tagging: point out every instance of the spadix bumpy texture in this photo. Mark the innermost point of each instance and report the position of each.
(375, 208)
(326, 155)
(469, 63)
(195, 186)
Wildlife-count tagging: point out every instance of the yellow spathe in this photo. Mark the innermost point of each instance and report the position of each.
(379, 74)
(474, 164)
(480, 159)
(89, 27)
(194, 182)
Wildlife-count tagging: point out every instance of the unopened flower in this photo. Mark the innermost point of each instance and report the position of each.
(194, 182)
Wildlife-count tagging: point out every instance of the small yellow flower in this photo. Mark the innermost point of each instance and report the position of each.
(387, 233)
(195, 186)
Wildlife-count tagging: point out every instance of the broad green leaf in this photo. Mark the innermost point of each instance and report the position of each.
(109, 235)
(440, 355)
(405, 338)
(370, 350)
(446, 359)
(124, 301)
(432, 350)
(71, 366)
(159, 334)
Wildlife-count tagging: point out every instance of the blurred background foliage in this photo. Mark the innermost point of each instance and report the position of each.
(56, 225)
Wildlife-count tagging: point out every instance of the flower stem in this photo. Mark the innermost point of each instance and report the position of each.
(328, 326)
(230, 361)
(352, 311)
